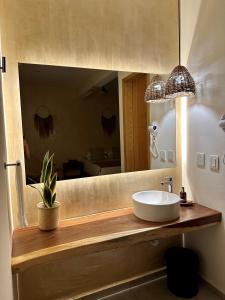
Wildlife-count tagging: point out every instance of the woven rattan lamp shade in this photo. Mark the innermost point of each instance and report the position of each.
(155, 92)
(180, 83)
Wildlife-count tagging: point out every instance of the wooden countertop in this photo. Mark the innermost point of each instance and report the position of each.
(100, 232)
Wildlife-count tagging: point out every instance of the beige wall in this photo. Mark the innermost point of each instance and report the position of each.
(189, 17)
(206, 60)
(5, 230)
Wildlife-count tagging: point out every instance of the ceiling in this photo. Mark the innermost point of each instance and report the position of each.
(81, 79)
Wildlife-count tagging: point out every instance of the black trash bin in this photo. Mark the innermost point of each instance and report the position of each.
(182, 272)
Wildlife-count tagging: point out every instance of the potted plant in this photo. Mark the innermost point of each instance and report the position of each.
(48, 208)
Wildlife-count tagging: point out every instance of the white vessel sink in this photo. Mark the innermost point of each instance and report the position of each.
(156, 206)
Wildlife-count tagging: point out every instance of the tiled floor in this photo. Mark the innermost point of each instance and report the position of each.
(157, 290)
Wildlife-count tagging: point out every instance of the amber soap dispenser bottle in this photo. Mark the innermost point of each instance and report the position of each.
(183, 195)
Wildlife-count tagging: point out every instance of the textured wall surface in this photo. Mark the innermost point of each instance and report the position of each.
(5, 231)
(206, 60)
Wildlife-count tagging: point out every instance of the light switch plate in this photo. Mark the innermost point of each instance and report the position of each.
(162, 155)
(214, 162)
(200, 159)
(171, 156)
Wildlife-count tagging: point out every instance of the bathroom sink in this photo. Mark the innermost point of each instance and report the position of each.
(156, 206)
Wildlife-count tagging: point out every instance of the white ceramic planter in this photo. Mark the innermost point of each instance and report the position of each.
(48, 218)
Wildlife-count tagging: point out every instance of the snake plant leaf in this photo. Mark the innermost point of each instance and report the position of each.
(47, 195)
(48, 181)
(45, 162)
(49, 168)
(53, 183)
(53, 198)
(44, 175)
(37, 189)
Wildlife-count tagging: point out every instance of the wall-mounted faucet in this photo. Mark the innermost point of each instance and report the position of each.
(169, 182)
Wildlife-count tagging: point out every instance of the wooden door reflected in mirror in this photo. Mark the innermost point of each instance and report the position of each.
(135, 123)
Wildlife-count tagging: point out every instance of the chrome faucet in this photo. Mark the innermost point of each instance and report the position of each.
(169, 182)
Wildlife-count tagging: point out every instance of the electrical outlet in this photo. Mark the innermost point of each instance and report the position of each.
(214, 162)
(162, 155)
(200, 159)
(171, 156)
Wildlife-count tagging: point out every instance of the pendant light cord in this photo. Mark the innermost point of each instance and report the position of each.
(179, 30)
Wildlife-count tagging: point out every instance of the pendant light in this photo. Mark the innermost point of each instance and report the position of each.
(180, 82)
(155, 92)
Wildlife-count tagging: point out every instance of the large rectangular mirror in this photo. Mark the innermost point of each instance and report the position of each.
(96, 122)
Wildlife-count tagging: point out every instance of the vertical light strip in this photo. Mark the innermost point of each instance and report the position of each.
(184, 151)
(184, 137)
(184, 144)
(184, 148)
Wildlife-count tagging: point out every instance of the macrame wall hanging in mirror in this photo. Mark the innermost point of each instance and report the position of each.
(44, 122)
(108, 120)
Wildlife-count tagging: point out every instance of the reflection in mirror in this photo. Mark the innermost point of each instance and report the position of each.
(162, 124)
(162, 135)
(96, 122)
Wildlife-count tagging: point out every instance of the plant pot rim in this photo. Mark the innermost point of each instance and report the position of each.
(41, 205)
